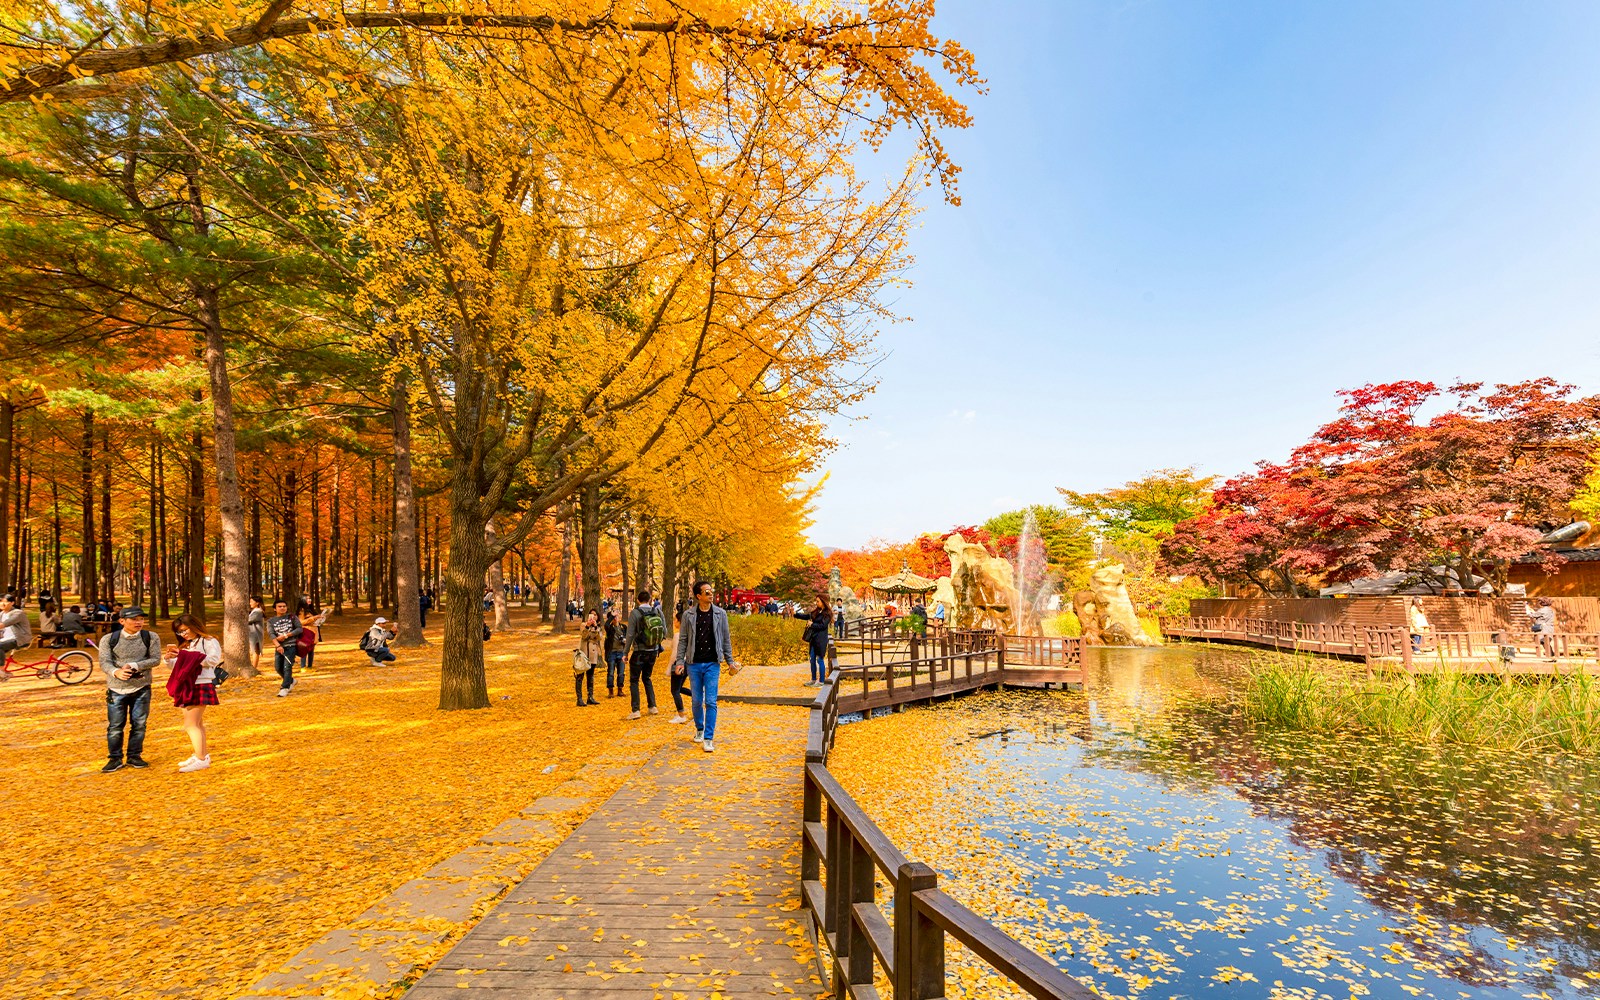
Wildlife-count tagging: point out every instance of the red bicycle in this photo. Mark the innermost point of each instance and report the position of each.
(73, 666)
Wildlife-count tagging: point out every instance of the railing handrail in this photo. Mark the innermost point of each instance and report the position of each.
(910, 945)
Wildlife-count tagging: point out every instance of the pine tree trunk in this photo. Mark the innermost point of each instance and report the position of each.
(108, 564)
(8, 412)
(289, 574)
(641, 563)
(88, 578)
(334, 553)
(194, 546)
(407, 569)
(624, 603)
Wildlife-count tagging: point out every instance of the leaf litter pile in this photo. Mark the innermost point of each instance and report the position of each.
(1153, 844)
(151, 883)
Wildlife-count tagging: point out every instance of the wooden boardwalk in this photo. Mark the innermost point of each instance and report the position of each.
(685, 883)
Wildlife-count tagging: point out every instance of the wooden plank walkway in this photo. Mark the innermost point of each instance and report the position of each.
(685, 883)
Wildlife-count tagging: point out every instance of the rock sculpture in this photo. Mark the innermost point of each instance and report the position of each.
(1090, 620)
(842, 599)
(984, 586)
(1121, 625)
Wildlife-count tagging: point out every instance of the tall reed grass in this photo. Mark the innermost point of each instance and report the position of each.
(1541, 714)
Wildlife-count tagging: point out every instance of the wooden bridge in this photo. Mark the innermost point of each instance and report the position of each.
(686, 881)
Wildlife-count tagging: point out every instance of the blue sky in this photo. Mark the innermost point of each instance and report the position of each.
(1186, 226)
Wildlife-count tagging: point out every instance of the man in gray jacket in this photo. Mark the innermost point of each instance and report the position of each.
(703, 646)
(127, 656)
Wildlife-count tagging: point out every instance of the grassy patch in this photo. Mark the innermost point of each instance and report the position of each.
(1525, 713)
(767, 640)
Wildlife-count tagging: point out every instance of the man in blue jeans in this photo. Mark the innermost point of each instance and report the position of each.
(703, 646)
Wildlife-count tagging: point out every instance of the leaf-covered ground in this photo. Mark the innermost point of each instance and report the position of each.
(1158, 846)
(152, 883)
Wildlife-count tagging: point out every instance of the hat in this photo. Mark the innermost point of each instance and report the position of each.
(381, 621)
(134, 612)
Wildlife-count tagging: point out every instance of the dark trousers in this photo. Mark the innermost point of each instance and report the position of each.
(639, 670)
(308, 657)
(614, 672)
(424, 617)
(130, 711)
(679, 686)
(283, 663)
(577, 683)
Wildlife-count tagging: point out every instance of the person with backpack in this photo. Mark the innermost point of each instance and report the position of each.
(196, 665)
(703, 647)
(375, 642)
(127, 657)
(616, 642)
(285, 630)
(647, 630)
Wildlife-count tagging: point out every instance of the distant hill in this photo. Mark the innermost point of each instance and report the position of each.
(828, 550)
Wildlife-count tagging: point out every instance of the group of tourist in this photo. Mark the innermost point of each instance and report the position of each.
(703, 647)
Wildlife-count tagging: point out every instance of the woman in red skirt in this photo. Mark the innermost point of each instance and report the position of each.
(193, 683)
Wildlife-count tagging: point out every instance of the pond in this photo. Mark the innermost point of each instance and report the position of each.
(1154, 844)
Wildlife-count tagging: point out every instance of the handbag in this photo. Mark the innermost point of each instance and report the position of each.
(580, 663)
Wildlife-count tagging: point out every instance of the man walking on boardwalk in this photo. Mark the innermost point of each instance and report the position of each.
(703, 646)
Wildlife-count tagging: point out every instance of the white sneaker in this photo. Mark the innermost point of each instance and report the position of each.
(195, 765)
(633, 715)
(283, 692)
(654, 710)
(191, 759)
(677, 720)
(699, 737)
(708, 747)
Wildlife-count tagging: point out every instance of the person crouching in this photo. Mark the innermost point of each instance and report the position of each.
(376, 642)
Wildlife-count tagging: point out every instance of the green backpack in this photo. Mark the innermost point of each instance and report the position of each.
(655, 630)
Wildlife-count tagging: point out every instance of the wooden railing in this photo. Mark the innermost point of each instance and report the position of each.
(842, 854)
(1376, 643)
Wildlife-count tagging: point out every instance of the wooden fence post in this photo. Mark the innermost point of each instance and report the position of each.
(918, 941)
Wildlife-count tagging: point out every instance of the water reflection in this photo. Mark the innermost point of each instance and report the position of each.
(1158, 845)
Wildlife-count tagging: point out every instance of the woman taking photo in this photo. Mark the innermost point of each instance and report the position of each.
(816, 636)
(594, 652)
(193, 683)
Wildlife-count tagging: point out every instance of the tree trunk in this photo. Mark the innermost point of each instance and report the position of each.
(669, 581)
(462, 683)
(334, 553)
(589, 542)
(564, 580)
(407, 569)
(164, 591)
(88, 579)
(194, 600)
(8, 413)
(108, 565)
(625, 600)
(495, 580)
(289, 585)
(641, 564)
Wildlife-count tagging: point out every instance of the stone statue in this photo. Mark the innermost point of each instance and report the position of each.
(1121, 625)
(984, 586)
(1090, 620)
(842, 599)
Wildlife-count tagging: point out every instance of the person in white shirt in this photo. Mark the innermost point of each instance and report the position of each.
(193, 698)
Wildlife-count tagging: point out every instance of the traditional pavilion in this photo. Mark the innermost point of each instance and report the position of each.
(904, 584)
